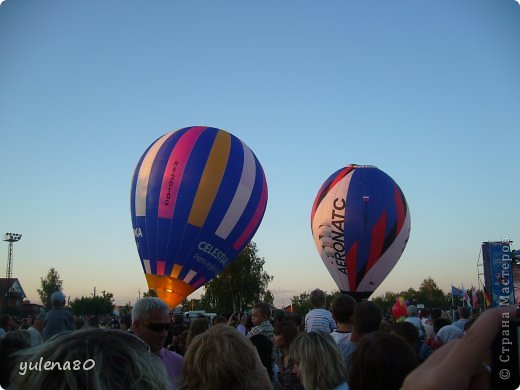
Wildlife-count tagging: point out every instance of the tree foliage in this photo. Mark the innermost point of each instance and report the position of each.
(268, 298)
(93, 305)
(51, 283)
(242, 284)
(150, 293)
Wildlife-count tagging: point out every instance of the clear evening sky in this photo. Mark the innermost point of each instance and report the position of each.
(427, 91)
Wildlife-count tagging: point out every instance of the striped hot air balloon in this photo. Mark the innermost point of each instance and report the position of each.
(360, 223)
(198, 196)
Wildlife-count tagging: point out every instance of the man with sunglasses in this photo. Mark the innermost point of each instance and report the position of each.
(150, 322)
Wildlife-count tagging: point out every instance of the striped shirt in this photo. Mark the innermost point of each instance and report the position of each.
(319, 320)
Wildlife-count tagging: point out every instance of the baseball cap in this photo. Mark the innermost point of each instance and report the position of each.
(57, 296)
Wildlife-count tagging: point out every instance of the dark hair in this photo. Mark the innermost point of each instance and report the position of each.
(317, 298)
(464, 312)
(343, 308)
(367, 317)
(264, 346)
(439, 323)
(381, 361)
(407, 331)
(288, 330)
(436, 313)
(197, 326)
(264, 308)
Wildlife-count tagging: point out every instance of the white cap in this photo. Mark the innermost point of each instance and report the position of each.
(57, 296)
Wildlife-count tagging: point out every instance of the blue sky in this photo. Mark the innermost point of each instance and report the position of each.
(429, 92)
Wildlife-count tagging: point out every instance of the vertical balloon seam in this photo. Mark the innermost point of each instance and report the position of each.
(132, 208)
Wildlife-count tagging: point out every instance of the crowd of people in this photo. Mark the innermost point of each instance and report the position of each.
(351, 346)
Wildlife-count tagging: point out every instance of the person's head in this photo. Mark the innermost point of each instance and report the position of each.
(8, 347)
(264, 347)
(407, 331)
(366, 318)
(220, 358)
(412, 311)
(21, 334)
(150, 322)
(39, 322)
(439, 323)
(424, 313)
(261, 312)
(381, 361)
(317, 298)
(279, 316)
(219, 320)
(178, 320)
(108, 359)
(93, 322)
(198, 326)
(436, 313)
(343, 308)
(464, 312)
(318, 362)
(58, 299)
(284, 333)
(6, 322)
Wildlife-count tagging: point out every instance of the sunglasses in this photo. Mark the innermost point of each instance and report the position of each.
(156, 326)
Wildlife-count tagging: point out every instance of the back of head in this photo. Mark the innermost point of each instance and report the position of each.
(198, 326)
(144, 306)
(407, 331)
(320, 361)
(220, 358)
(343, 308)
(412, 311)
(5, 321)
(92, 358)
(317, 298)
(57, 299)
(264, 308)
(288, 330)
(464, 312)
(264, 347)
(436, 313)
(20, 334)
(449, 333)
(367, 317)
(439, 323)
(381, 361)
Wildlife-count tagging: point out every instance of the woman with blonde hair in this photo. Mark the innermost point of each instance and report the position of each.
(318, 362)
(222, 358)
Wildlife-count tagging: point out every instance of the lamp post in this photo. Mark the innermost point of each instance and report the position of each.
(10, 238)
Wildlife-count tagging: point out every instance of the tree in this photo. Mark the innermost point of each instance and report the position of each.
(51, 283)
(150, 293)
(93, 305)
(432, 296)
(269, 298)
(300, 303)
(240, 285)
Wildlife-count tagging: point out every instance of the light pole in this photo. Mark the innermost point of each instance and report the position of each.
(10, 238)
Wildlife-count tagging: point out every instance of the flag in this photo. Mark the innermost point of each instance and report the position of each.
(456, 292)
(475, 298)
(487, 298)
(467, 298)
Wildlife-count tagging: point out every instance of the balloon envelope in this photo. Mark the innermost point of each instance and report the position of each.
(360, 223)
(198, 195)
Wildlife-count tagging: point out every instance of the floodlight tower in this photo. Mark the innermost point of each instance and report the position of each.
(10, 238)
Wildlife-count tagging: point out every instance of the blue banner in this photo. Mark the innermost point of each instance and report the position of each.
(456, 292)
(498, 272)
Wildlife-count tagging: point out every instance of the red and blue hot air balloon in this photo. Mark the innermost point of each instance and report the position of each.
(198, 196)
(360, 222)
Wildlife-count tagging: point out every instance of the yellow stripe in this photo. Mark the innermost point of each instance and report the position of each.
(176, 270)
(211, 179)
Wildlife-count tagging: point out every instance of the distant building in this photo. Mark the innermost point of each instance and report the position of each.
(11, 294)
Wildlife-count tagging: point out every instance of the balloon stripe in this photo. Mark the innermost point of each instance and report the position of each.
(351, 260)
(189, 276)
(242, 195)
(398, 196)
(255, 221)
(377, 241)
(160, 267)
(340, 174)
(175, 170)
(147, 268)
(176, 270)
(198, 283)
(211, 179)
(144, 176)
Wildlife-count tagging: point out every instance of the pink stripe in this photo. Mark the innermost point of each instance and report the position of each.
(160, 267)
(253, 224)
(175, 169)
(199, 282)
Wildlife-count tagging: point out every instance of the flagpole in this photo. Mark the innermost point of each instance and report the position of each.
(452, 308)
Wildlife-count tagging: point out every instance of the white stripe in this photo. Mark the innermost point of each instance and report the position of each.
(141, 187)
(147, 268)
(190, 276)
(242, 195)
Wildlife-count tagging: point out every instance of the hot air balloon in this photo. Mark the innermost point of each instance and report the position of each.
(198, 195)
(360, 223)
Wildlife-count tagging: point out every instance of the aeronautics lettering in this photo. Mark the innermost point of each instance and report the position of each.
(216, 253)
(338, 233)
